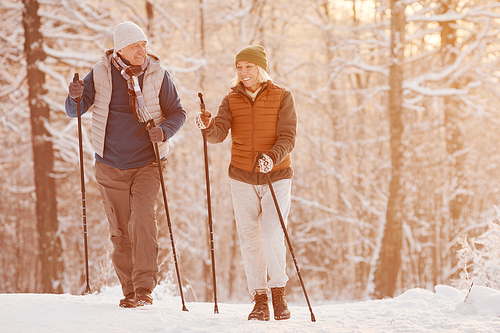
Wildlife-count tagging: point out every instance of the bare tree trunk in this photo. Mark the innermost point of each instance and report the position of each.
(150, 15)
(389, 261)
(454, 146)
(337, 116)
(49, 243)
(202, 43)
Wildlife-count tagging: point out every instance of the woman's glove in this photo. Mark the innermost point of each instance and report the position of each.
(203, 120)
(266, 164)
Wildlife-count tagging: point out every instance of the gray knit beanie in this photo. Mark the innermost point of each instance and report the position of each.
(254, 54)
(127, 33)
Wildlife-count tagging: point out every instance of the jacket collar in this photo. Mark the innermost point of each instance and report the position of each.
(154, 60)
(240, 87)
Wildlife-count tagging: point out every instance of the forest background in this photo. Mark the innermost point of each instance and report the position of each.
(396, 164)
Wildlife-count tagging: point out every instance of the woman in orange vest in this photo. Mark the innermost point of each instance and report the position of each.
(262, 118)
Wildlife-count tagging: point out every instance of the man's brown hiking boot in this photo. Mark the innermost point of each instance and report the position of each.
(143, 296)
(128, 301)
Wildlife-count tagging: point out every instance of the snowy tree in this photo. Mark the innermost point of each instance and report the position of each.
(17, 234)
(479, 258)
(335, 58)
(448, 64)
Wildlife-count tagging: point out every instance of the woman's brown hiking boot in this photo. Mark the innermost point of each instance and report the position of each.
(261, 309)
(281, 311)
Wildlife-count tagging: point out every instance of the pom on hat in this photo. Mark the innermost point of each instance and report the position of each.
(254, 54)
(127, 33)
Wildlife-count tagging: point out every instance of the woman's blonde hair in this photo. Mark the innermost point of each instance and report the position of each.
(263, 76)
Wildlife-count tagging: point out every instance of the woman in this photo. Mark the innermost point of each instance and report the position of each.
(262, 118)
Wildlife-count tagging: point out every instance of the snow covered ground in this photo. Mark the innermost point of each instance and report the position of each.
(417, 310)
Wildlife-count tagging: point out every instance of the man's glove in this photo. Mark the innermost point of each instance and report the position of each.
(76, 90)
(203, 120)
(156, 134)
(266, 164)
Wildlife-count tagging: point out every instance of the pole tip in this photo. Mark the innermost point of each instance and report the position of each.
(87, 290)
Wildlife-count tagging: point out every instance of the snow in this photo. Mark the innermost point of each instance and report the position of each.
(447, 309)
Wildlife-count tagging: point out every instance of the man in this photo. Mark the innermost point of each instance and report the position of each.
(262, 117)
(128, 82)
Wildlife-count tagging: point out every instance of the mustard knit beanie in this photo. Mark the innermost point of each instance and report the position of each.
(127, 33)
(254, 54)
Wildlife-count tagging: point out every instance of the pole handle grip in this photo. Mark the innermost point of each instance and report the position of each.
(202, 104)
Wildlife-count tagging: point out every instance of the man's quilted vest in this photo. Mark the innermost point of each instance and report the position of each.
(153, 79)
(253, 128)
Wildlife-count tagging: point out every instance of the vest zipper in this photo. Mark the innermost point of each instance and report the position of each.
(253, 132)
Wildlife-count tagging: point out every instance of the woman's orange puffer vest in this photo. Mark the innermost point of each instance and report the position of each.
(253, 127)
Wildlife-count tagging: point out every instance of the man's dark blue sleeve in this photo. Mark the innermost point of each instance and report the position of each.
(170, 103)
(87, 100)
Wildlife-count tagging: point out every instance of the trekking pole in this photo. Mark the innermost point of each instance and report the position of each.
(76, 78)
(209, 205)
(259, 156)
(164, 192)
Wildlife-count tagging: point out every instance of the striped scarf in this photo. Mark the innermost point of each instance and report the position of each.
(136, 99)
